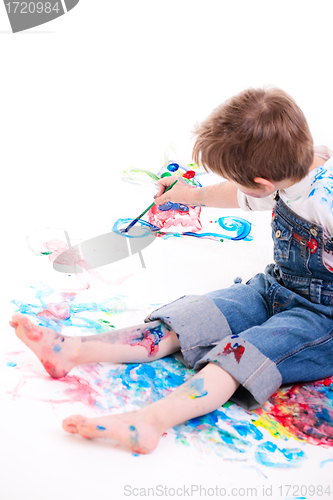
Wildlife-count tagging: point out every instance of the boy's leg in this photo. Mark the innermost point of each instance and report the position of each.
(141, 430)
(59, 353)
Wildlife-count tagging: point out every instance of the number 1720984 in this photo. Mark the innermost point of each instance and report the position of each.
(32, 7)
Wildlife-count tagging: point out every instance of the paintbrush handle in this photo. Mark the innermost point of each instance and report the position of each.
(145, 211)
(151, 206)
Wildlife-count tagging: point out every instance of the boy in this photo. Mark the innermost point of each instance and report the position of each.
(247, 340)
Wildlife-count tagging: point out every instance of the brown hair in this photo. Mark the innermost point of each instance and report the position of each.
(257, 133)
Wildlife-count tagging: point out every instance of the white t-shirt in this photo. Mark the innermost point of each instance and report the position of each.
(311, 198)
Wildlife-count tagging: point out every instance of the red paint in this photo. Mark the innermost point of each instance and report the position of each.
(189, 174)
(167, 219)
(238, 351)
(33, 333)
(57, 311)
(304, 410)
(52, 369)
(148, 343)
(79, 391)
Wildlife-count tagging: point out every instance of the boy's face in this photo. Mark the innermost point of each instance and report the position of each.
(254, 192)
(265, 187)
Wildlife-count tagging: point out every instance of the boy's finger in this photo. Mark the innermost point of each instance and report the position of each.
(164, 183)
(161, 188)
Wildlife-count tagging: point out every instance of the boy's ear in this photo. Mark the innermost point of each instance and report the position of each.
(265, 184)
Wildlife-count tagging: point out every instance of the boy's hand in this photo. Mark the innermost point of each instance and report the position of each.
(179, 193)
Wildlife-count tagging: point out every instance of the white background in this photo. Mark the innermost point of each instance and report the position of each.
(109, 86)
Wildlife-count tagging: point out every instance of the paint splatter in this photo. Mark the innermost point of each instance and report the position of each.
(195, 389)
(134, 436)
(151, 338)
(68, 312)
(270, 455)
(301, 411)
(236, 349)
(189, 219)
(241, 227)
(234, 235)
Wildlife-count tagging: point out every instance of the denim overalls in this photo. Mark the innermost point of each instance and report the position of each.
(275, 329)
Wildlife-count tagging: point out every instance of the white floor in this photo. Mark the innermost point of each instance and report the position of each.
(91, 94)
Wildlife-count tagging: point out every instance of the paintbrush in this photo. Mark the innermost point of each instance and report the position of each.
(145, 211)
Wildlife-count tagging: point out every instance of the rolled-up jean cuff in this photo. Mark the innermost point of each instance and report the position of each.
(204, 335)
(253, 370)
(196, 320)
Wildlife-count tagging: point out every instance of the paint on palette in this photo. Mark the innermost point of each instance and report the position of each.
(189, 172)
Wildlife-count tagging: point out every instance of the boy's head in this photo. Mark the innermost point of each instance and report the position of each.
(259, 133)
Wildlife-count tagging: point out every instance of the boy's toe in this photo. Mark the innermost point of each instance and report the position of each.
(71, 424)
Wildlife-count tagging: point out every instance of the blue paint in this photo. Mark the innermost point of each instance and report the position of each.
(110, 306)
(100, 428)
(324, 462)
(121, 223)
(241, 226)
(132, 428)
(270, 455)
(224, 431)
(208, 419)
(169, 205)
(247, 429)
(195, 388)
(56, 348)
(181, 170)
(149, 338)
(11, 363)
(173, 167)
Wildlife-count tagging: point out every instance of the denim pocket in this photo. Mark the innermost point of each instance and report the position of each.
(282, 234)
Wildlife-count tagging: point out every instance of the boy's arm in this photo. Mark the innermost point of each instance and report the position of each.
(222, 195)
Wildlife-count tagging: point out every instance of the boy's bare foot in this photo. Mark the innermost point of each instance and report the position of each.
(55, 351)
(139, 432)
